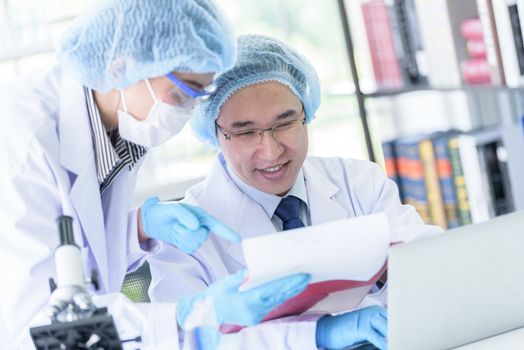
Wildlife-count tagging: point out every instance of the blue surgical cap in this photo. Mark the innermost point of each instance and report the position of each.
(120, 42)
(260, 59)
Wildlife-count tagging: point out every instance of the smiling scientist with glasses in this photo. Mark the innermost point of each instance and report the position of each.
(73, 139)
(262, 181)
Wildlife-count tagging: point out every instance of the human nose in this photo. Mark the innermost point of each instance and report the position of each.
(269, 146)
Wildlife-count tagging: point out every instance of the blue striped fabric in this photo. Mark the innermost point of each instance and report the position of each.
(112, 153)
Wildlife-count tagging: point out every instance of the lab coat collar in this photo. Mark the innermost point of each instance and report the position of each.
(77, 156)
(268, 201)
(248, 218)
(74, 129)
(321, 190)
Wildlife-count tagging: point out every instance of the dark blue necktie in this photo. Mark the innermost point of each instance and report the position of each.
(289, 212)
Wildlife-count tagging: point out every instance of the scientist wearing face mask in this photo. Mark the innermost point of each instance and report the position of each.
(73, 138)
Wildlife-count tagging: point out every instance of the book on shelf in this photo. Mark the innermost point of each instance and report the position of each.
(476, 71)
(390, 163)
(446, 177)
(459, 183)
(470, 17)
(418, 178)
(474, 178)
(471, 29)
(437, 38)
(452, 178)
(462, 42)
(411, 177)
(509, 32)
(484, 160)
(420, 42)
(431, 179)
(495, 157)
(516, 9)
(408, 44)
(386, 66)
(489, 30)
(476, 48)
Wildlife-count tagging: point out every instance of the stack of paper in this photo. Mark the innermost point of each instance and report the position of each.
(350, 249)
(345, 258)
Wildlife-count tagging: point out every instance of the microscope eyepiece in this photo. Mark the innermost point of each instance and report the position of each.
(65, 228)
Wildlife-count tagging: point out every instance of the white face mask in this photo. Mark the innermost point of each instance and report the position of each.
(163, 122)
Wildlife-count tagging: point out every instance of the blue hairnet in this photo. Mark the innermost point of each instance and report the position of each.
(260, 59)
(120, 42)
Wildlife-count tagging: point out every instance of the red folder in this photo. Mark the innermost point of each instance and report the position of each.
(314, 293)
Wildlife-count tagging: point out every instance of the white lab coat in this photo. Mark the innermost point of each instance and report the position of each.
(48, 169)
(336, 189)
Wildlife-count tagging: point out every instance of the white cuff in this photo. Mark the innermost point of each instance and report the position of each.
(294, 332)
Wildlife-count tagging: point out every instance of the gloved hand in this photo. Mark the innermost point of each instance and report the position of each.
(367, 324)
(182, 225)
(244, 308)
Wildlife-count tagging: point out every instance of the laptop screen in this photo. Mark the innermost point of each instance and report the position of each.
(457, 287)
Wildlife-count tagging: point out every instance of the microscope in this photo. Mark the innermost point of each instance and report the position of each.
(76, 323)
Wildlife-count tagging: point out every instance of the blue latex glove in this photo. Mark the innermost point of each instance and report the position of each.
(182, 225)
(355, 327)
(244, 308)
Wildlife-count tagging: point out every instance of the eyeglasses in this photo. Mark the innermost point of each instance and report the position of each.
(281, 132)
(185, 96)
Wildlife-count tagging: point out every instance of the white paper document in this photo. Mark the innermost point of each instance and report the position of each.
(349, 249)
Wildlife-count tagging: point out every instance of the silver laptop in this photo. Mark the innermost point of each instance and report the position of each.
(458, 287)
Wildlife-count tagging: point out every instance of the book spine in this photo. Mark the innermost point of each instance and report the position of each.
(514, 16)
(386, 66)
(407, 46)
(437, 36)
(473, 178)
(459, 183)
(476, 71)
(500, 194)
(509, 33)
(445, 175)
(411, 174)
(471, 29)
(434, 193)
(487, 18)
(390, 163)
(476, 49)
(415, 40)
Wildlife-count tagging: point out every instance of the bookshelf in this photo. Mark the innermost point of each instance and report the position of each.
(354, 72)
(482, 61)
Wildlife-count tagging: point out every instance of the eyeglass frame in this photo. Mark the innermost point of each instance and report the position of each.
(197, 95)
(261, 132)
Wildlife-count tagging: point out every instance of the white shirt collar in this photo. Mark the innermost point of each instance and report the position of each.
(267, 201)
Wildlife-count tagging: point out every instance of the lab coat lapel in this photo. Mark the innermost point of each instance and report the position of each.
(221, 197)
(323, 207)
(77, 155)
